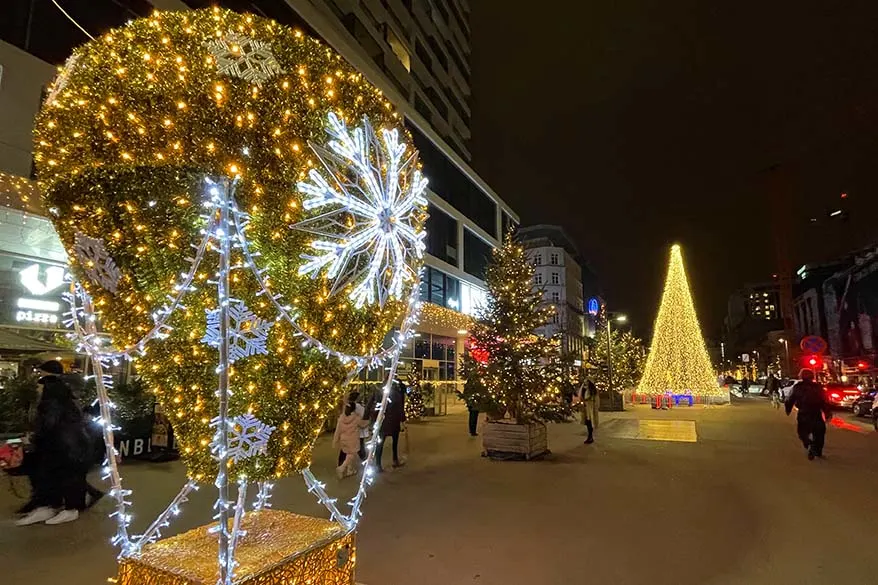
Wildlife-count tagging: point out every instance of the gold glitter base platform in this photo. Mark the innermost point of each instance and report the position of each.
(280, 548)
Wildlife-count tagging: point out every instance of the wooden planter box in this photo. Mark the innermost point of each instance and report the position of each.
(509, 440)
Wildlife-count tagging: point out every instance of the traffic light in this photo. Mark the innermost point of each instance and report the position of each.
(812, 361)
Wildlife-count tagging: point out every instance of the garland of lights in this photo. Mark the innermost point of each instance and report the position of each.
(196, 124)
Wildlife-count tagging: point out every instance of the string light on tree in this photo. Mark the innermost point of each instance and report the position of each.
(514, 371)
(678, 363)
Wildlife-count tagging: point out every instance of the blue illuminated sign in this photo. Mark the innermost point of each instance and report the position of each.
(594, 306)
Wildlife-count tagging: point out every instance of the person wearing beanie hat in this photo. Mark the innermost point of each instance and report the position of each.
(60, 450)
(813, 412)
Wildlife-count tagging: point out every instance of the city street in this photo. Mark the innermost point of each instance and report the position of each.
(742, 504)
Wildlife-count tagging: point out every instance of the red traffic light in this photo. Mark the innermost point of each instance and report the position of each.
(815, 362)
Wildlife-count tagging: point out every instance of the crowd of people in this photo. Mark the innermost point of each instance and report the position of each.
(64, 444)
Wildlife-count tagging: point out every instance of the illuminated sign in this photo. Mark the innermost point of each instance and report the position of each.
(594, 306)
(40, 281)
(30, 278)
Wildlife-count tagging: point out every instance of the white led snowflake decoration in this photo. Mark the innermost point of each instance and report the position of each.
(99, 267)
(239, 56)
(248, 334)
(369, 238)
(248, 436)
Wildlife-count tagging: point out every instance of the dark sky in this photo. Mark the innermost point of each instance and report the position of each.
(635, 124)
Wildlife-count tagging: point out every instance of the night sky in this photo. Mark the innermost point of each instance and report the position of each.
(636, 124)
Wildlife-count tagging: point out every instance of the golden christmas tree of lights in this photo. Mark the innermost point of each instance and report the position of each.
(678, 363)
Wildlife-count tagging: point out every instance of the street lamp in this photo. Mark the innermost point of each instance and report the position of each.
(786, 346)
(619, 318)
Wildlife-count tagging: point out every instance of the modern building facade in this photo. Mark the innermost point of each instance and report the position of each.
(415, 51)
(560, 273)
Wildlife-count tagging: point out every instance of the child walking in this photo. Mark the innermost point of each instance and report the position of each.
(347, 438)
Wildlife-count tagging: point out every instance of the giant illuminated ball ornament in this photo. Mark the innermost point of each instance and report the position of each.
(135, 128)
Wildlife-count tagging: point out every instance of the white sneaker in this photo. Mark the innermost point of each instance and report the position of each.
(39, 515)
(63, 516)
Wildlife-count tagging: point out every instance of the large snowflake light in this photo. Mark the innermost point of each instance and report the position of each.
(248, 334)
(371, 209)
(240, 56)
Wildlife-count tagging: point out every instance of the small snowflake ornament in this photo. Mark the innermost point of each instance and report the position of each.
(239, 56)
(369, 235)
(248, 436)
(248, 334)
(99, 267)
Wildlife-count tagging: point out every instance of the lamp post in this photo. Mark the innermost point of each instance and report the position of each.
(786, 346)
(619, 318)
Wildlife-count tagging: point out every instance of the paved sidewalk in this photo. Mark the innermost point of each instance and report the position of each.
(741, 505)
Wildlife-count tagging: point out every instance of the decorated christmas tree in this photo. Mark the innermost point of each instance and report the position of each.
(628, 353)
(511, 370)
(414, 399)
(678, 363)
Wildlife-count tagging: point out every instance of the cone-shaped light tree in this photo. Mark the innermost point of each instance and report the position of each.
(678, 362)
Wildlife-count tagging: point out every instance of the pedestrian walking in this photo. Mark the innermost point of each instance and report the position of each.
(807, 396)
(363, 432)
(392, 425)
(745, 386)
(473, 420)
(61, 455)
(347, 437)
(772, 385)
(588, 398)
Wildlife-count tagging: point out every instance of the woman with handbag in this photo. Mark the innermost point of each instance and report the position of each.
(61, 452)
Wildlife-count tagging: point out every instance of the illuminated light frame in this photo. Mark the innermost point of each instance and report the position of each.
(226, 226)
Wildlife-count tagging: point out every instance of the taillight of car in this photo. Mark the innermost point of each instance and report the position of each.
(835, 396)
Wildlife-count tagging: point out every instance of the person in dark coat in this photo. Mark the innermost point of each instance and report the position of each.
(808, 397)
(61, 452)
(391, 426)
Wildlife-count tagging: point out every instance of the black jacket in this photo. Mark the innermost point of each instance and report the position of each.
(394, 414)
(60, 437)
(808, 397)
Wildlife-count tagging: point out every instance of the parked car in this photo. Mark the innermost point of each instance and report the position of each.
(862, 406)
(786, 387)
(841, 395)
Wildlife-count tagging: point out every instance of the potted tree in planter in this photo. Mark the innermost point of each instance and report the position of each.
(513, 374)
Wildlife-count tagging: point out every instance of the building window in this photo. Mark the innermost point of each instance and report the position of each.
(423, 109)
(556, 278)
(437, 102)
(538, 278)
(538, 259)
(440, 289)
(553, 258)
(423, 55)
(450, 183)
(476, 254)
(398, 49)
(440, 55)
(556, 296)
(442, 236)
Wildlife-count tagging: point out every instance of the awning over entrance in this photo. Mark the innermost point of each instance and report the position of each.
(11, 342)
